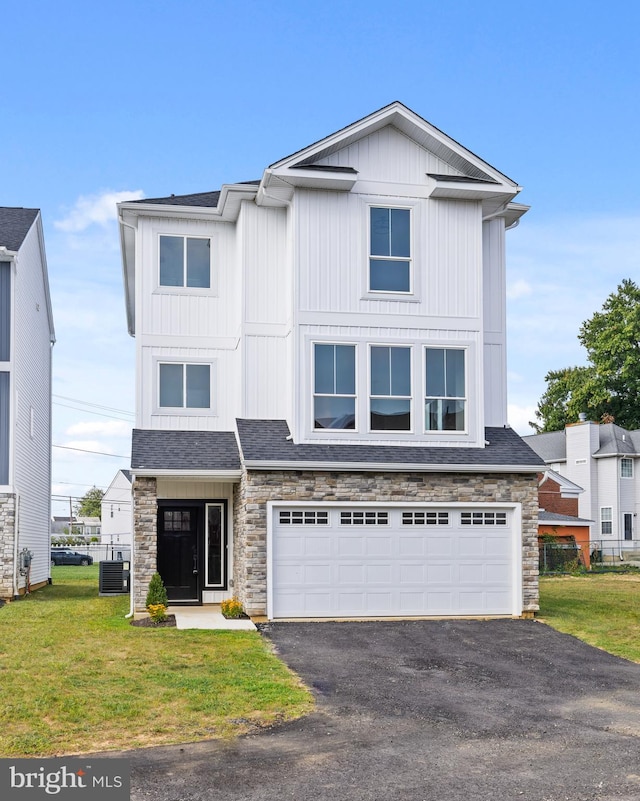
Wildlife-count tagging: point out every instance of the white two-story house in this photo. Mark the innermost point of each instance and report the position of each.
(604, 459)
(321, 391)
(26, 340)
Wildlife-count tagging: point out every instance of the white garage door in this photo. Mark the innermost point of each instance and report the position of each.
(354, 561)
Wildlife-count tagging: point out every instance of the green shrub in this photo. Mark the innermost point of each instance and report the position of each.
(156, 593)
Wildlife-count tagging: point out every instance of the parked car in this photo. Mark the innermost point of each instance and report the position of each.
(65, 556)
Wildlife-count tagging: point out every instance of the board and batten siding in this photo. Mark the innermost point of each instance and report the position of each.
(5, 425)
(331, 257)
(5, 311)
(494, 322)
(32, 393)
(391, 156)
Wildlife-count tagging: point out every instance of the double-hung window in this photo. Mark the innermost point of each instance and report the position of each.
(606, 521)
(334, 397)
(445, 395)
(626, 467)
(389, 250)
(185, 261)
(390, 397)
(184, 386)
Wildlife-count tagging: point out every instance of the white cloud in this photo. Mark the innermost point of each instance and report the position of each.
(95, 210)
(519, 417)
(108, 428)
(519, 289)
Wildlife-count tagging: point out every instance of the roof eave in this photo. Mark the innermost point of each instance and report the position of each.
(390, 467)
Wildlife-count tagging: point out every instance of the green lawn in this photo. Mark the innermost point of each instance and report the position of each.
(603, 610)
(76, 677)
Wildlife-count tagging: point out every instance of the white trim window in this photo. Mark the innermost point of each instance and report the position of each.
(334, 390)
(445, 389)
(626, 467)
(606, 521)
(390, 388)
(185, 261)
(184, 386)
(390, 250)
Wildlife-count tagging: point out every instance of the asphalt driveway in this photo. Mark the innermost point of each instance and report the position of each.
(434, 710)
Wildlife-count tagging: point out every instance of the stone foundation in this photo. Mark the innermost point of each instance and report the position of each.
(7, 543)
(145, 538)
(258, 487)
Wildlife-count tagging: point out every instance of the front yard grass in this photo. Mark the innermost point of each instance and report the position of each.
(603, 610)
(75, 677)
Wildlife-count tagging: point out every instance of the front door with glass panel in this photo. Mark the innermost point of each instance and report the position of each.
(179, 535)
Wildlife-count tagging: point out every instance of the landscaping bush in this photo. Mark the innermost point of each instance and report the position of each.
(232, 608)
(156, 593)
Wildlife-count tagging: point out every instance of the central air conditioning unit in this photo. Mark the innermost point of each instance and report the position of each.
(114, 578)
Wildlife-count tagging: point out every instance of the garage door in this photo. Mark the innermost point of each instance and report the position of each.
(360, 561)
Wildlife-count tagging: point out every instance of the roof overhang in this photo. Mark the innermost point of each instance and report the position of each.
(390, 467)
(190, 475)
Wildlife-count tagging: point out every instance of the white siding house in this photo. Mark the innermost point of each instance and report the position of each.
(116, 510)
(604, 459)
(26, 339)
(321, 389)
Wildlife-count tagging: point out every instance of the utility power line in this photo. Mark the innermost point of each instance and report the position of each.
(95, 405)
(84, 450)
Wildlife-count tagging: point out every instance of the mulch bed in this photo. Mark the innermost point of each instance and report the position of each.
(147, 623)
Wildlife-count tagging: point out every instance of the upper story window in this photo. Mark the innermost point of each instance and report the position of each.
(626, 467)
(334, 396)
(389, 250)
(184, 386)
(445, 396)
(390, 398)
(185, 261)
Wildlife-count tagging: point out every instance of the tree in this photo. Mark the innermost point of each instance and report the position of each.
(609, 386)
(89, 505)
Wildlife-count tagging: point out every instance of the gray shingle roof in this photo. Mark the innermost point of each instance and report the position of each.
(551, 446)
(266, 441)
(14, 226)
(615, 440)
(554, 517)
(184, 450)
(202, 199)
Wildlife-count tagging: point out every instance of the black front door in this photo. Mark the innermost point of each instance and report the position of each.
(179, 538)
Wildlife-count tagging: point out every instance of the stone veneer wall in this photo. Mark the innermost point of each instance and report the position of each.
(7, 543)
(145, 538)
(258, 487)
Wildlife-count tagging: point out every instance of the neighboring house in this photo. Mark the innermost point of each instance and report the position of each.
(558, 514)
(26, 339)
(116, 510)
(604, 459)
(88, 527)
(321, 387)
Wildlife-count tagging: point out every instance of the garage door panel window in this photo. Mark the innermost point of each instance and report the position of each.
(304, 518)
(483, 518)
(445, 393)
(390, 389)
(334, 386)
(364, 518)
(425, 518)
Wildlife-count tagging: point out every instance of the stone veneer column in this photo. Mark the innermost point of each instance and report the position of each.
(258, 487)
(145, 538)
(7, 543)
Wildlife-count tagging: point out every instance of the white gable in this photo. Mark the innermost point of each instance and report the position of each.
(389, 155)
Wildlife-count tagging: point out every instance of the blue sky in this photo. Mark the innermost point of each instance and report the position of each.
(119, 100)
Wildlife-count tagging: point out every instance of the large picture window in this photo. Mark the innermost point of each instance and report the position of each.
(184, 386)
(334, 398)
(185, 261)
(445, 396)
(390, 396)
(389, 250)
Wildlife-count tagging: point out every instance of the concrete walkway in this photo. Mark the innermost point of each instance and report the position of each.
(207, 616)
